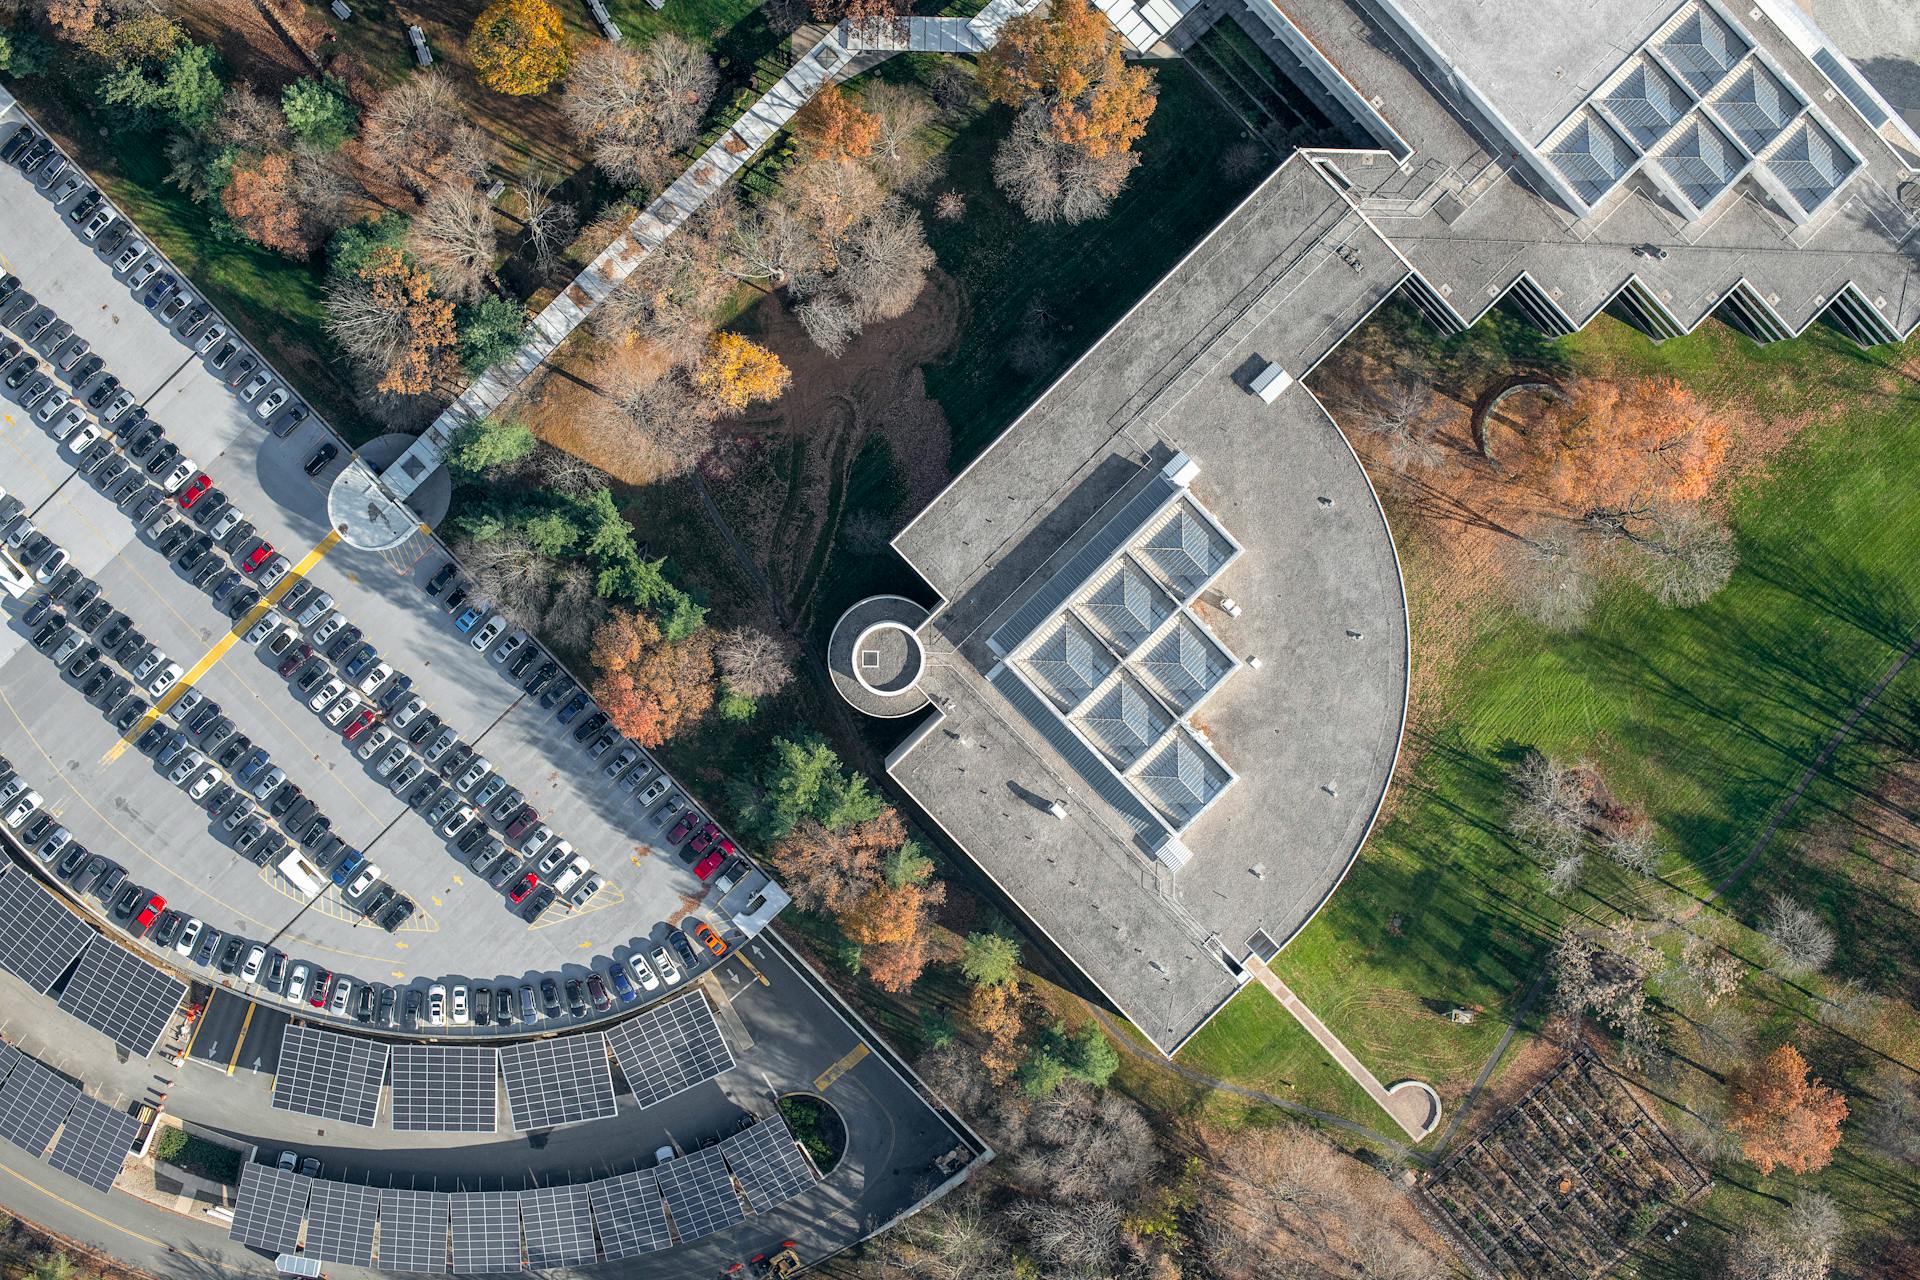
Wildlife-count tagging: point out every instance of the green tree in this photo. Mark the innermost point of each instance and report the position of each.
(52, 1266)
(319, 111)
(990, 959)
(803, 778)
(735, 707)
(909, 864)
(551, 533)
(489, 333)
(488, 443)
(1043, 1070)
(352, 248)
(1092, 1057)
(183, 90)
(1058, 1054)
(24, 53)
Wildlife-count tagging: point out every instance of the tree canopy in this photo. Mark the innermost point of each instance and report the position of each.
(803, 778)
(519, 46)
(650, 687)
(1784, 1116)
(736, 371)
(1070, 60)
(319, 112)
(487, 443)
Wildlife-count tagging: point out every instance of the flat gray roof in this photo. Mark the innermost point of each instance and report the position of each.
(1312, 732)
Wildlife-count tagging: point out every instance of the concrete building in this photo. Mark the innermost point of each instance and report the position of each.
(1165, 680)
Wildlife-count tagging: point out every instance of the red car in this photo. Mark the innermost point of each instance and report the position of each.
(522, 887)
(195, 487)
(524, 823)
(709, 864)
(358, 725)
(682, 827)
(708, 834)
(322, 984)
(148, 914)
(257, 557)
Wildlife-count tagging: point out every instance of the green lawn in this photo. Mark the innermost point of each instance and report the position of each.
(1254, 1042)
(1707, 716)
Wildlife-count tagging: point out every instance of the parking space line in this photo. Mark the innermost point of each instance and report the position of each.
(241, 1038)
(224, 643)
(825, 1079)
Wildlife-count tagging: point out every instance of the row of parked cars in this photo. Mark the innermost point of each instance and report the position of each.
(133, 907)
(145, 272)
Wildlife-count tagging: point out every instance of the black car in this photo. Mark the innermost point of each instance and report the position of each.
(117, 688)
(482, 1006)
(209, 569)
(108, 472)
(129, 713)
(683, 948)
(83, 208)
(241, 368)
(383, 1008)
(203, 715)
(143, 441)
(326, 453)
(438, 582)
(230, 956)
(190, 556)
(377, 899)
(550, 997)
(37, 611)
(456, 598)
(18, 371)
(243, 600)
(396, 914)
(95, 682)
(575, 705)
(239, 746)
(223, 353)
(160, 459)
(237, 535)
(83, 662)
(420, 729)
(133, 642)
(424, 791)
(115, 631)
(283, 799)
(166, 930)
(150, 741)
(126, 902)
(10, 152)
(103, 391)
(209, 507)
(174, 538)
(63, 583)
(536, 905)
(410, 1009)
(363, 1005)
(576, 997)
(348, 637)
(109, 881)
(209, 946)
(518, 667)
(591, 725)
(316, 829)
(49, 633)
(217, 799)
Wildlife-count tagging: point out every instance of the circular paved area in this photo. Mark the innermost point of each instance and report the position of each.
(876, 656)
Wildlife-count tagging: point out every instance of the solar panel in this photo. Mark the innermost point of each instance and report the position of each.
(413, 1230)
(94, 1142)
(630, 1214)
(559, 1226)
(324, 1073)
(268, 1209)
(33, 1102)
(8, 1056)
(39, 936)
(768, 1163)
(672, 1046)
(445, 1089)
(700, 1193)
(558, 1081)
(117, 993)
(486, 1232)
(340, 1219)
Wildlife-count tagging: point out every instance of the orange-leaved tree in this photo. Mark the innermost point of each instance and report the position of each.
(994, 1012)
(834, 871)
(1625, 445)
(836, 125)
(1070, 59)
(1783, 1116)
(259, 198)
(519, 46)
(891, 923)
(649, 687)
(422, 354)
(735, 371)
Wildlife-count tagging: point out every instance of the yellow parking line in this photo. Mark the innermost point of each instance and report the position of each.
(826, 1078)
(223, 644)
(241, 1039)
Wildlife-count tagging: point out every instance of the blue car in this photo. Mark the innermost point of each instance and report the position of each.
(348, 865)
(622, 985)
(159, 289)
(465, 622)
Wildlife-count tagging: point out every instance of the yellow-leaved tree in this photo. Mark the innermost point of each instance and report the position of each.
(735, 371)
(519, 46)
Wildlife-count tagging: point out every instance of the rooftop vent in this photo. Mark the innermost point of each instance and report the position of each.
(1270, 382)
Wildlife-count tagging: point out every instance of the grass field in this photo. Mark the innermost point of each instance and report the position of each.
(1707, 716)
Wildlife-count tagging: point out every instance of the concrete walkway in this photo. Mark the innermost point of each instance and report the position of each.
(1413, 1104)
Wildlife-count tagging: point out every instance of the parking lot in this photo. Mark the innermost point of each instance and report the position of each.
(117, 800)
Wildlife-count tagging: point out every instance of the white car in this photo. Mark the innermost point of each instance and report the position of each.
(555, 858)
(489, 632)
(342, 990)
(148, 663)
(477, 768)
(440, 746)
(374, 677)
(250, 967)
(664, 963)
(326, 693)
(311, 612)
(329, 629)
(391, 761)
(134, 251)
(163, 679)
(23, 808)
(460, 1014)
(643, 972)
(71, 421)
(83, 439)
(272, 571)
(436, 1005)
(141, 273)
(336, 715)
(297, 982)
(377, 737)
(188, 937)
(203, 784)
(208, 336)
(269, 782)
(364, 881)
(178, 476)
(67, 648)
(570, 874)
(457, 820)
(255, 385)
(266, 408)
(55, 561)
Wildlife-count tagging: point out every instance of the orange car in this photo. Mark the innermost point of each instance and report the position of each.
(709, 939)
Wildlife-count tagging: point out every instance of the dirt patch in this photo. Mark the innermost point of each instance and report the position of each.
(247, 42)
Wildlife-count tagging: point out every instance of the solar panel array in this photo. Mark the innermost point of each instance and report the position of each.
(268, 1209)
(327, 1074)
(486, 1232)
(94, 1142)
(39, 936)
(340, 1219)
(558, 1081)
(768, 1163)
(672, 1046)
(413, 1230)
(115, 992)
(559, 1226)
(33, 1102)
(632, 1217)
(8, 1056)
(700, 1193)
(445, 1089)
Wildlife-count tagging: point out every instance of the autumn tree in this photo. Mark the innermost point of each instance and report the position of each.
(1620, 446)
(386, 316)
(834, 124)
(1054, 181)
(754, 662)
(634, 108)
(891, 923)
(836, 870)
(994, 1011)
(1069, 61)
(650, 687)
(652, 424)
(1784, 1116)
(452, 237)
(259, 199)
(518, 47)
(418, 135)
(735, 371)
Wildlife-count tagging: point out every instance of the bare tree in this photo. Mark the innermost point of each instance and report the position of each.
(1073, 1236)
(953, 1239)
(569, 473)
(1892, 1121)
(635, 107)
(1547, 816)
(1086, 1149)
(830, 322)
(1710, 972)
(1393, 407)
(453, 239)
(325, 188)
(509, 572)
(672, 423)
(1799, 1247)
(1606, 975)
(1554, 580)
(550, 223)
(770, 242)
(417, 134)
(1686, 556)
(1850, 1006)
(1637, 848)
(755, 663)
(878, 270)
(903, 154)
(371, 326)
(1053, 181)
(670, 299)
(575, 610)
(1797, 942)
